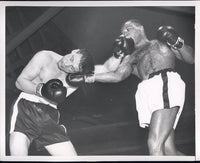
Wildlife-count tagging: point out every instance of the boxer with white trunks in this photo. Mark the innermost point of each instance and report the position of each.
(161, 93)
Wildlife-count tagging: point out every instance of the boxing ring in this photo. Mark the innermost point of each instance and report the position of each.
(104, 121)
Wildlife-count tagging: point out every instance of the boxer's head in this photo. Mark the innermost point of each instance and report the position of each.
(134, 29)
(79, 60)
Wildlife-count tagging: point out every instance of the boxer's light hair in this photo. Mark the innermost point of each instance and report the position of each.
(134, 23)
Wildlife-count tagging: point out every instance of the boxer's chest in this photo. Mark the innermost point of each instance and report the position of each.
(51, 71)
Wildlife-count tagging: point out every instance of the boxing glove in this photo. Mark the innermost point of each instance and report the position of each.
(52, 90)
(77, 79)
(168, 35)
(123, 46)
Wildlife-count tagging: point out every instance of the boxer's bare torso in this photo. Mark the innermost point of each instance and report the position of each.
(49, 69)
(42, 68)
(152, 57)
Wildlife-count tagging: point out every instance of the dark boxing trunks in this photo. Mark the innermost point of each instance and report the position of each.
(40, 123)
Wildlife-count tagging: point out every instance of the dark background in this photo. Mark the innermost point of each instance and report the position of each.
(101, 118)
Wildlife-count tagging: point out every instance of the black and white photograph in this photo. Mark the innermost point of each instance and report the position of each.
(99, 81)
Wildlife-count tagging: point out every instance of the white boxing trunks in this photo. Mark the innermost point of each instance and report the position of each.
(163, 90)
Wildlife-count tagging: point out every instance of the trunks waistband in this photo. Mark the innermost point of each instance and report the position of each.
(161, 71)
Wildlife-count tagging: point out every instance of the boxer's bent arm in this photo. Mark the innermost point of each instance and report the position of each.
(109, 65)
(30, 72)
(123, 71)
(186, 54)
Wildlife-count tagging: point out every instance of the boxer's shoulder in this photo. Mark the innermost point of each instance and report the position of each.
(157, 48)
(47, 55)
(158, 44)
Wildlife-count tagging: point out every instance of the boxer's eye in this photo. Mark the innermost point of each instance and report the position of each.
(72, 59)
(129, 29)
(72, 68)
(78, 52)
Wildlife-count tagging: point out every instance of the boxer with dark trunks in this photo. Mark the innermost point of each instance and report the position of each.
(44, 83)
(34, 115)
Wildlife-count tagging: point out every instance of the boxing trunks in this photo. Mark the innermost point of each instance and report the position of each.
(38, 120)
(163, 90)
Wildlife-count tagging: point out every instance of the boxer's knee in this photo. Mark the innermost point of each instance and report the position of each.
(61, 149)
(18, 144)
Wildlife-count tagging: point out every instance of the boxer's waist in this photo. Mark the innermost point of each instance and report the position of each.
(34, 98)
(161, 71)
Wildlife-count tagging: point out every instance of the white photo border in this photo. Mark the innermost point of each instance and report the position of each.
(4, 4)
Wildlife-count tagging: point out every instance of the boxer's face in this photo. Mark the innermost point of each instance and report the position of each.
(70, 62)
(129, 30)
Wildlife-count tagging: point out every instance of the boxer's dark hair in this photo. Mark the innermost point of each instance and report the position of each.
(86, 63)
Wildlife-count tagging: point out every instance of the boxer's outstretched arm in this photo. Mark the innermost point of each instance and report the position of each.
(122, 48)
(123, 71)
(186, 54)
(110, 64)
(29, 73)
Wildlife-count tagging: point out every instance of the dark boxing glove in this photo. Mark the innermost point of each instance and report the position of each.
(123, 46)
(52, 90)
(168, 35)
(77, 79)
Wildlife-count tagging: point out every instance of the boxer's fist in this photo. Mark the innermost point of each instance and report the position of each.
(168, 35)
(123, 46)
(53, 90)
(77, 79)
